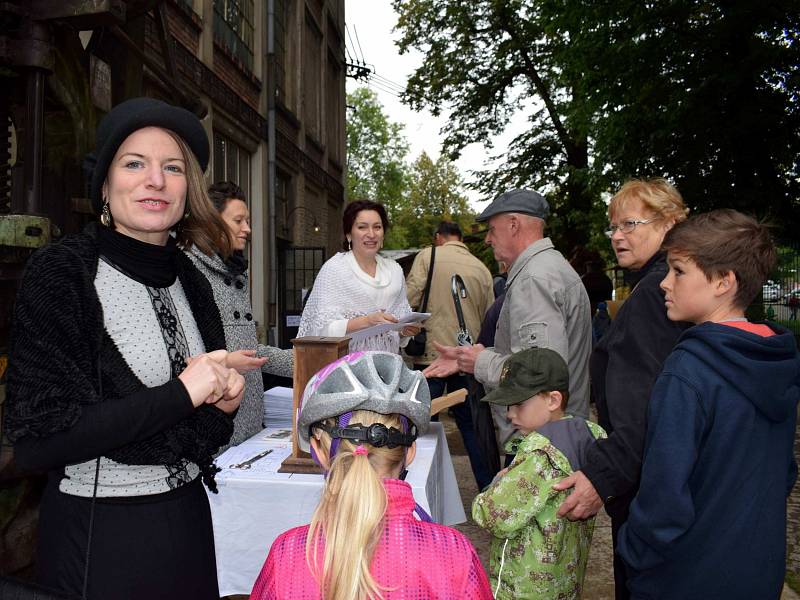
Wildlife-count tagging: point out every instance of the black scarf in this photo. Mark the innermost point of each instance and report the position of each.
(236, 263)
(150, 264)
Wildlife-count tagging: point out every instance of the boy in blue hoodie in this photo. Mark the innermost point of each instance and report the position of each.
(709, 520)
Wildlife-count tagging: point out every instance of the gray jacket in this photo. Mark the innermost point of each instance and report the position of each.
(547, 306)
(232, 298)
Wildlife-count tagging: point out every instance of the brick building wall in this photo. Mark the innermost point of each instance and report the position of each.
(246, 85)
(309, 87)
(185, 25)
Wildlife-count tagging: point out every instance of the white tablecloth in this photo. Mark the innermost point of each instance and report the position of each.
(256, 505)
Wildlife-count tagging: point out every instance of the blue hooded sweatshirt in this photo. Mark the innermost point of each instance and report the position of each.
(709, 520)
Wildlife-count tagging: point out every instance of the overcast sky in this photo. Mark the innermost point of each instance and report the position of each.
(372, 21)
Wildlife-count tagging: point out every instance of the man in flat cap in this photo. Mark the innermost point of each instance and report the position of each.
(546, 305)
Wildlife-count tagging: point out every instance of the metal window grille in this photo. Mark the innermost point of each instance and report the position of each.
(233, 28)
(297, 269)
(779, 300)
(231, 162)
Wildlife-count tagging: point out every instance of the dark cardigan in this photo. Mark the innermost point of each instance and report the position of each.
(54, 413)
(623, 368)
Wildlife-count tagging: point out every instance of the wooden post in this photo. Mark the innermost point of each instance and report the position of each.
(310, 355)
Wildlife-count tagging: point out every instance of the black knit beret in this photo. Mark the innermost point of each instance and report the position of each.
(129, 116)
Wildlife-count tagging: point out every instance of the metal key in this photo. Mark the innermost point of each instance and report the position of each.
(249, 462)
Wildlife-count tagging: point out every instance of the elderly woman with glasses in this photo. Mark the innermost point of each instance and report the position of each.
(628, 358)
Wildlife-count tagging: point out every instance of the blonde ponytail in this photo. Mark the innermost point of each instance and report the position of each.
(349, 518)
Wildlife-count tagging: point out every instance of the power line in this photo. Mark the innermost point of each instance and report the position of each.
(389, 83)
(383, 85)
(350, 37)
(372, 83)
(355, 44)
(349, 57)
(355, 31)
(357, 71)
(356, 68)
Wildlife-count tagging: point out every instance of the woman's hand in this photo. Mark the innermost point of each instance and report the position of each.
(205, 377)
(244, 361)
(233, 393)
(369, 320)
(379, 317)
(583, 502)
(410, 330)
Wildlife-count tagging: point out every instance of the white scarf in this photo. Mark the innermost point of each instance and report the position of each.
(343, 291)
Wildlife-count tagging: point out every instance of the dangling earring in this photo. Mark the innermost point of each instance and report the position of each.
(186, 215)
(105, 214)
(349, 244)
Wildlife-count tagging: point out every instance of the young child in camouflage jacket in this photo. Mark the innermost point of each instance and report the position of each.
(534, 553)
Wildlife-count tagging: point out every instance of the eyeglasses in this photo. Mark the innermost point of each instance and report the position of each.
(627, 226)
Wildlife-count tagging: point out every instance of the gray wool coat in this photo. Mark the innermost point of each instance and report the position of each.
(232, 298)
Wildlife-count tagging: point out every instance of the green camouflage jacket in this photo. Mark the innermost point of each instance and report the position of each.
(543, 556)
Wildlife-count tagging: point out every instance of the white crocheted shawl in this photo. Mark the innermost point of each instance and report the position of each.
(343, 291)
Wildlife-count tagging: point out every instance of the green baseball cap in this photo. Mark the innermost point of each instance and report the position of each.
(527, 373)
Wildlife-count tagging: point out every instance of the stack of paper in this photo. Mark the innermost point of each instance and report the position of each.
(278, 407)
(413, 318)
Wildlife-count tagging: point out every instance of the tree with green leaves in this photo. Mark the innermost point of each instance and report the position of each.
(484, 61)
(705, 94)
(376, 157)
(435, 194)
(416, 197)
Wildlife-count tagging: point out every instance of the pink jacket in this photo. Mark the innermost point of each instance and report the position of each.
(414, 558)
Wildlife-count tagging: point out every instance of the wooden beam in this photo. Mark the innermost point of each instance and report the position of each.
(442, 402)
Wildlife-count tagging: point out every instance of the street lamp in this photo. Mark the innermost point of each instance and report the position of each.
(314, 226)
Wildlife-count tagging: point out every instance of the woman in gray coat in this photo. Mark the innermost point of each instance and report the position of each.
(228, 280)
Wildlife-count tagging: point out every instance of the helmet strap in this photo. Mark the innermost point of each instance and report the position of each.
(376, 435)
(344, 420)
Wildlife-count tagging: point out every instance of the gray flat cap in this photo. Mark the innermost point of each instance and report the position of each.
(526, 202)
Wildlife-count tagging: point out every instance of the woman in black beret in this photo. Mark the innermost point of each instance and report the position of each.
(118, 385)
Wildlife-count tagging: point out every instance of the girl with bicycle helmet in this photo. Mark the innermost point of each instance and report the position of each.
(360, 417)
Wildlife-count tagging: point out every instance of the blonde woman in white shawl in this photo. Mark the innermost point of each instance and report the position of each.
(359, 288)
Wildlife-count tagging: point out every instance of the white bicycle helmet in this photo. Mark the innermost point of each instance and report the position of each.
(376, 381)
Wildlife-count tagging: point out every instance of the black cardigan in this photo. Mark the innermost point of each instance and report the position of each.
(53, 410)
(623, 367)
